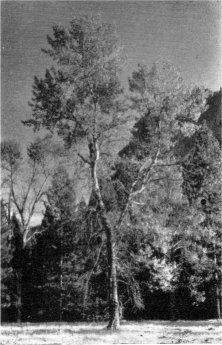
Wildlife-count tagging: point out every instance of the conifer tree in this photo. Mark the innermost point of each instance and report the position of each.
(80, 98)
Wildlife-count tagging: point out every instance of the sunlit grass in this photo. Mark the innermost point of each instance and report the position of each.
(146, 332)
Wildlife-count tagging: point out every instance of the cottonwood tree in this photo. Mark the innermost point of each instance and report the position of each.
(24, 181)
(23, 187)
(8, 288)
(168, 111)
(190, 237)
(147, 235)
(202, 185)
(80, 97)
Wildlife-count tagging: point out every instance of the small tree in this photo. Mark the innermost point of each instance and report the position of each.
(61, 201)
(23, 186)
(24, 181)
(8, 289)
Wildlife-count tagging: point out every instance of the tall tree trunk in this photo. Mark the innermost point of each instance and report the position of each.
(61, 277)
(218, 287)
(18, 262)
(173, 307)
(218, 300)
(19, 295)
(110, 242)
(112, 274)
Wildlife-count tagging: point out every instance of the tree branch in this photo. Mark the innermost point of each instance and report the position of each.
(36, 199)
(169, 164)
(33, 235)
(84, 159)
(29, 187)
(145, 175)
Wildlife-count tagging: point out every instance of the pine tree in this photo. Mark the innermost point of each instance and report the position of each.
(80, 99)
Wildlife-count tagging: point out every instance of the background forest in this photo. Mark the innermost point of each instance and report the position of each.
(131, 202)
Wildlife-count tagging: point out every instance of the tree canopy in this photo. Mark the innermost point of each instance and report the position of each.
(151, 228)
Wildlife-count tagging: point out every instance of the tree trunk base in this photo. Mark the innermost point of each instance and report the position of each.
(114, 319)
(113, 325)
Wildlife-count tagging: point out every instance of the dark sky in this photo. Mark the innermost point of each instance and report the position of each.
(187, 33)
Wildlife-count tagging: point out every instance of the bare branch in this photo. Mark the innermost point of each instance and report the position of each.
(33, 235)
(138, 203)
(29, 187)
(12, 192)
(84, 159)
(169, 164)
(144, 173)
(32, 209)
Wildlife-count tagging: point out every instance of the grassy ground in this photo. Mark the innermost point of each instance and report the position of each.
(146, 332)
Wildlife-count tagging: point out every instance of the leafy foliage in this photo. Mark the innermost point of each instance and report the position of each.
(85, 78)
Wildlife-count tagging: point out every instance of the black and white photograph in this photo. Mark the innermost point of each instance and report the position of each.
(111, 189)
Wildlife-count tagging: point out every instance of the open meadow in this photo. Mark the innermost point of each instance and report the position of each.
(145, 332)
